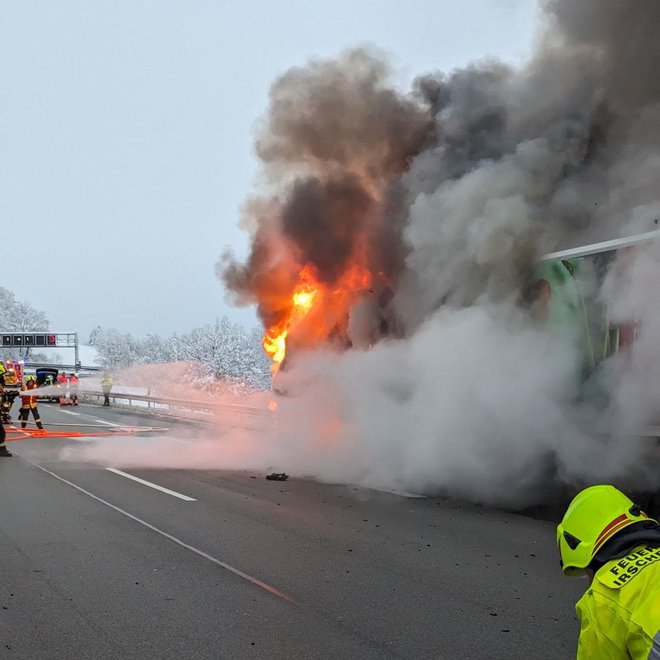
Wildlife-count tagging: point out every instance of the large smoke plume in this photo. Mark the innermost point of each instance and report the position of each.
(446, 195)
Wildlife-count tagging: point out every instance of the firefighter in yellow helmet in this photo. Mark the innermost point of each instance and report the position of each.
(10, 388)
(29, 404)
(607, 537)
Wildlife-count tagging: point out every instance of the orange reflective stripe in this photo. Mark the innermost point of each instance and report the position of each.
(607, 528)
(616, 525)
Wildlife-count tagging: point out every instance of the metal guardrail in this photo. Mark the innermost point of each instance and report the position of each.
(235, 415)
(61, 367)
(232, 414)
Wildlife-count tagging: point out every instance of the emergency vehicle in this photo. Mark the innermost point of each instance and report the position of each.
(47, 377)
(14, 374)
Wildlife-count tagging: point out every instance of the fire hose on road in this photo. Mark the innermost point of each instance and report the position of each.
(14, 433)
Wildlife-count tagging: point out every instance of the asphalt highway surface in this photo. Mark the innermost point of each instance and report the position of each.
(216, 564)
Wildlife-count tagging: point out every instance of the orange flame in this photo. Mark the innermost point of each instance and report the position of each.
(302, 300)
(274, 344)
(314, 310)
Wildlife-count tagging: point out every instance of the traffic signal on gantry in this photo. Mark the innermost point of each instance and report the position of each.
(21, 340)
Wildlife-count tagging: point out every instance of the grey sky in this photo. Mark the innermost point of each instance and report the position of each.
(126, 131)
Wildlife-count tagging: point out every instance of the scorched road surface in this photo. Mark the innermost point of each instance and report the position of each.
(94, 564)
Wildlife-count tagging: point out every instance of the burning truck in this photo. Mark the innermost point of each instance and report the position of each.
(564, 294)
(568, 295)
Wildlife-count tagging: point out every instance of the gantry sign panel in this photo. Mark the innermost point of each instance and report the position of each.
(39, 339)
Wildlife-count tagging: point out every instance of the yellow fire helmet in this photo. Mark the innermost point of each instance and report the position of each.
(593, 517)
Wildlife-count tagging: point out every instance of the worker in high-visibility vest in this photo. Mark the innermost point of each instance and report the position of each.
(29, 403)
(607, 537)
(63, 385)
(74, 381)
(106, 387)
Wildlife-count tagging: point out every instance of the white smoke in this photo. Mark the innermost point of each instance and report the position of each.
(473, 403)
(477, 403)
(632, 291)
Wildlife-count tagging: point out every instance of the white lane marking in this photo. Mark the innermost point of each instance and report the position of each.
(228, 567)
(102, 421)
(152, 485)
(70, 412)
(402, 493)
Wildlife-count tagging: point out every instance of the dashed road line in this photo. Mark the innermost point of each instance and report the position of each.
(102, 421)
(151, 485)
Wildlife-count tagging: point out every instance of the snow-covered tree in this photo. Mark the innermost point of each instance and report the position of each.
(222, 350)
(19, 316)
(94, 335)
(154, 349)
(116, 349)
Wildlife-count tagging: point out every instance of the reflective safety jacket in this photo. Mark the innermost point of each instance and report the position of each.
(29, 401)
(620, 612)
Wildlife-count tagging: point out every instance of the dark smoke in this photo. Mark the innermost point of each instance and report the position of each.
(337, 140)
(338, 115)
(448, 194)
(451, 190)
(623, 38)
(337, 210)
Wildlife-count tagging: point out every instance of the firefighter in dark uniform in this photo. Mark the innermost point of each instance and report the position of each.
(29, 403)
(4, 452)
(10, 387)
